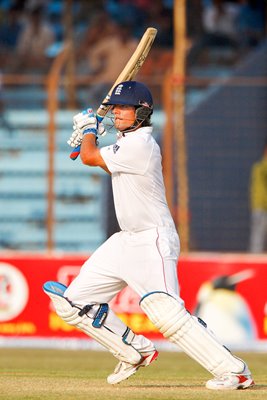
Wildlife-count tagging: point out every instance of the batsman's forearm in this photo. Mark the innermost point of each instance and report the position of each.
(90, 153)
(88, 149)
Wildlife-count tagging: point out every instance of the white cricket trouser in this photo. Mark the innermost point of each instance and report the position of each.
(146, 261)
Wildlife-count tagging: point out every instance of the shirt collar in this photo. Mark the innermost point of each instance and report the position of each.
(143, 129)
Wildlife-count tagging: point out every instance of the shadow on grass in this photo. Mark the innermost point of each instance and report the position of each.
(196, 386)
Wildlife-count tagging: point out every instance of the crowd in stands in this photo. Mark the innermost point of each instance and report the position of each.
(105, 32)
(233, 25)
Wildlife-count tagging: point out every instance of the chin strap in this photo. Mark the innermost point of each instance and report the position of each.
(131, 128)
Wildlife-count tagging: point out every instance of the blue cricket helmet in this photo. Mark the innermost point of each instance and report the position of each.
(131, 93)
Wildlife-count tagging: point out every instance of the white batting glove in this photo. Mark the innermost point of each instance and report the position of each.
(86, 122)
(101, 129)
(76, 138)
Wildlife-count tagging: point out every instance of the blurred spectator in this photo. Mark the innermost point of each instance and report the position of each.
(165, 28)
(128, 12)
(32, 44)
(31, 4)
(107, 56)
(194, 26)
(161, 18)
(86, 12)
(219, 20)
(219, 29)
(251, 22)
(10, 30)
(100, 26)
(143, 13)
(258, 203)
(54, 13)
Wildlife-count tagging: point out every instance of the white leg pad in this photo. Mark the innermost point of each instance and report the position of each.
(189, 333)
(119, 346)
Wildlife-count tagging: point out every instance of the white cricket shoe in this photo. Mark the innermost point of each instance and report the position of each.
(124, 370)
(232, 381)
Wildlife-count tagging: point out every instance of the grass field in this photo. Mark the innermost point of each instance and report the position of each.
(79, 375)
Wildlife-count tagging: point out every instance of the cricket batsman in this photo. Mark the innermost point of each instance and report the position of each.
(142, 255)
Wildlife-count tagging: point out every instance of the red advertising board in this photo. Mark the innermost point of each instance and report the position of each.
(228, 291)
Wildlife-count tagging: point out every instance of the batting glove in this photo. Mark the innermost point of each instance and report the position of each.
(76, 138)
(86, 122)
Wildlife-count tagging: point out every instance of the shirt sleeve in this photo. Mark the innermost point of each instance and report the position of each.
(129, 155)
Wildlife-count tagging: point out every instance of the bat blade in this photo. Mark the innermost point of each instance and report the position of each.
(128, 73)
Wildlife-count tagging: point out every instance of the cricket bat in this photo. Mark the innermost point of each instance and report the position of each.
(128, 73)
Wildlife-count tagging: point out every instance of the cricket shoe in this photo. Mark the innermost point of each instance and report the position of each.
(124, 370)
(231, 381)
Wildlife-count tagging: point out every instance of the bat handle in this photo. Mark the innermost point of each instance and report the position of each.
(76, 152)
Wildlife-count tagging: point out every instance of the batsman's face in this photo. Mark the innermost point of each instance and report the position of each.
(124, 116)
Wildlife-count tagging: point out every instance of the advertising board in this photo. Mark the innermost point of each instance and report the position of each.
(229, 292)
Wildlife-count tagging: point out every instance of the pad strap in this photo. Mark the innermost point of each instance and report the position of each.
(92, 323)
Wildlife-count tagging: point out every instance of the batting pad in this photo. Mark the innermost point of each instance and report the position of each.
(119, 346)
(189, 333)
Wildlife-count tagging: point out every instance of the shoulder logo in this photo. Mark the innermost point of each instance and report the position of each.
(115, 148)
(118, 89)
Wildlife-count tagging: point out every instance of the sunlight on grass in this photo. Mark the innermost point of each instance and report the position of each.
(29, 374)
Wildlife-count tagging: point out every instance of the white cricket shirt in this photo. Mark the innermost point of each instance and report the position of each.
(136, 171)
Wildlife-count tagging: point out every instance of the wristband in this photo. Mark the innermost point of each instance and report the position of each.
(90, 130)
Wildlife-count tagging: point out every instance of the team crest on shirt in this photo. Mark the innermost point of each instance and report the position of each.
(115, 148)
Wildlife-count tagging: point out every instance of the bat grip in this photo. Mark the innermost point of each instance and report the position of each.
(76, 152)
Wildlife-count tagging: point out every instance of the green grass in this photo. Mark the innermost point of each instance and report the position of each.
(79, 375)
